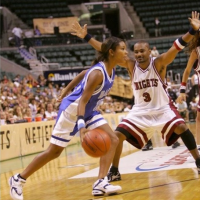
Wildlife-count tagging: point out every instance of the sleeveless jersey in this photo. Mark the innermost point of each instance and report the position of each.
(149, 90)
(70, 103)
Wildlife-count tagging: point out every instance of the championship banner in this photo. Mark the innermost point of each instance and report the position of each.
(46, 25)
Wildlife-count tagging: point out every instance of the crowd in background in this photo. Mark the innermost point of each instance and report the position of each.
(24, 99)
(188, 110)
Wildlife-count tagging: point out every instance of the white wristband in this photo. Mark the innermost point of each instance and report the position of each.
(81, 124)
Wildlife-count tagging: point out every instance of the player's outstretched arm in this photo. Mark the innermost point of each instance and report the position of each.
(193, 57)
(191, 61)
(81, 32)
(166, 58)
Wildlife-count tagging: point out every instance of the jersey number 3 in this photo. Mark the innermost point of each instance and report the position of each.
(146, 96)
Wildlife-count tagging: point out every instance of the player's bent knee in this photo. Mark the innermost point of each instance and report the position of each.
(180, 129)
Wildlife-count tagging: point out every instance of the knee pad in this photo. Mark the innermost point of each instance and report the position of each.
(188, 140)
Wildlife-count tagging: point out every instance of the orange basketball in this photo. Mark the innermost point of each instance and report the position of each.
(96, 143)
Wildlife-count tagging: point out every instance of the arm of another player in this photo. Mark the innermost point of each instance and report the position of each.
(94, 80)
(71, 85)
(166, 58)
(81, 32)
(191, 61)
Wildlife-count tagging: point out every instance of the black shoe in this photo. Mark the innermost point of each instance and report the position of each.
(113, 176)
(175, 145)
(147, 147)
(198, 164)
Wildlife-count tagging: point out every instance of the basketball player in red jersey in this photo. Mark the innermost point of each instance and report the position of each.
(194, 50)
(153, 109)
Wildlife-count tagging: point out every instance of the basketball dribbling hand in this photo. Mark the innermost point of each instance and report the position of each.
(82, 133)
(79, 31)
(194, 21)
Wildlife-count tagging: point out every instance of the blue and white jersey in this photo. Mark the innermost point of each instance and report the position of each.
(66, 123)
(70, 103)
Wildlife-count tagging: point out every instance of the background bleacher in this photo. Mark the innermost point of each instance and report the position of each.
(27, 10)
(173, 14)
(69, 51)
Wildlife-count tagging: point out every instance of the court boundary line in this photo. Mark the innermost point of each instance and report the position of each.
(140, 189)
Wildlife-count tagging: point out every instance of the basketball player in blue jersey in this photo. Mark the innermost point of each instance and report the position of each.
(153, 109)
(78, 112)
(194, 50)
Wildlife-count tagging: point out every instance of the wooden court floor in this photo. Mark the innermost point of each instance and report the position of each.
(52, 181)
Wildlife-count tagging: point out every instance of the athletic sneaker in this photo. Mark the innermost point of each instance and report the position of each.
(147, 147)
(16, 186)
(113, 176)
(101, 187)
(175, 145)
(198, 165)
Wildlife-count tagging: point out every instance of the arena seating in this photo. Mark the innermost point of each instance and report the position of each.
(173, 15)
(27, 10)
(82, 55)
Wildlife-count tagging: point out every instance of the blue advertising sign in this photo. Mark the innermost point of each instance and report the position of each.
(62, 76)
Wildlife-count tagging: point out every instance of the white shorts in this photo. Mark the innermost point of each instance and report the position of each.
(66, 127)
(138, 129)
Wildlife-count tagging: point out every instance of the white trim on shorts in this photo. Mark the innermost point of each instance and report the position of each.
(64, 131)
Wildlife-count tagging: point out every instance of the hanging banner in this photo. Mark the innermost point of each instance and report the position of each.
(46, 25)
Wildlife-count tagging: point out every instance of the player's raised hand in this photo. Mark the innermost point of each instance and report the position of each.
(78, 30)
(194, 21)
